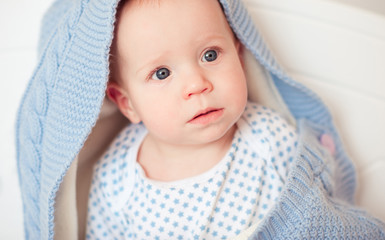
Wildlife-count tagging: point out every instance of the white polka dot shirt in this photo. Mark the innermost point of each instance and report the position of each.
(218, 204)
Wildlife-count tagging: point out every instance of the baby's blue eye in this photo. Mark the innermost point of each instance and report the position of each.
(161, 74)
(210, 56)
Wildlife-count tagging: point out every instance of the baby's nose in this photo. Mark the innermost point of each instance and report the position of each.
(196, 85)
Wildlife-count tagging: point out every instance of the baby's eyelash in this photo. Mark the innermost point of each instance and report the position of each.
(217, 50)
(152, 73)
(149, 76)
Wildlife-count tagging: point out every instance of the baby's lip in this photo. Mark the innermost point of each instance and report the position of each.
(204, 112)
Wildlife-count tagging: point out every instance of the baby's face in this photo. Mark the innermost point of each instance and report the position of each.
(180, 67)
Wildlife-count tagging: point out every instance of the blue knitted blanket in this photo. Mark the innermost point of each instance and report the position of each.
(62, 103)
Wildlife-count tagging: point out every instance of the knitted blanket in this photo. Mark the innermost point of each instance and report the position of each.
(62, 109)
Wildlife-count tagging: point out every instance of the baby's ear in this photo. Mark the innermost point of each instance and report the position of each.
(120, 97)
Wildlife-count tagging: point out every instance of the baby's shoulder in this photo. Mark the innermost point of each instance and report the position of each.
(264, 122)
(112, 173)
(115, 156)
(267, 132)
(256, 113)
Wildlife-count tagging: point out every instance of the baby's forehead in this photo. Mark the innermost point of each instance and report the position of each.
(211, 9)
(158, 3)
(169, 22)
(140, 3)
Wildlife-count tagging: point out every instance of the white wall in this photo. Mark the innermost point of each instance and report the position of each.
(19, 28)
(376, 6)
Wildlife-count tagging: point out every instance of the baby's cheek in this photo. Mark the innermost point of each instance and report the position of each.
(162, 123)
(239, 91)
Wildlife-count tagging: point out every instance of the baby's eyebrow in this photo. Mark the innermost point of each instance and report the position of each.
(151, 62)
(211, 37)
(155, 59)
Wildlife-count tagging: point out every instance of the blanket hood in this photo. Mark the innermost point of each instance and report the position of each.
(64, 110)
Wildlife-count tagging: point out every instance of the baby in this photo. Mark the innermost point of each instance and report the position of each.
(198, 161)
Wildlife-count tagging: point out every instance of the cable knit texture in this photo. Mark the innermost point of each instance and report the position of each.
(63, 99)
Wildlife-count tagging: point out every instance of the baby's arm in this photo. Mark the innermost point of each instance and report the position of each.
(269, 126)
(102, 222)
(110, 187)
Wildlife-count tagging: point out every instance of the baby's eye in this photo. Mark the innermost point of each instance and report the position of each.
(161, 74)
(210, 56)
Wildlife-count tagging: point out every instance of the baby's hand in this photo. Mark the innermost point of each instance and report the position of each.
(328, 142)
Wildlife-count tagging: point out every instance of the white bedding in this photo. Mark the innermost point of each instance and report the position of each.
(338, 51)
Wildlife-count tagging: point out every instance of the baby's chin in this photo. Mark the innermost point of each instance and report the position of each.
(215, 135)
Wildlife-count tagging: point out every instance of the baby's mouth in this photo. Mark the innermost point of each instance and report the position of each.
(205, 113)
(202, 114)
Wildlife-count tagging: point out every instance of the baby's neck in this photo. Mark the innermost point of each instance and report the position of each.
(166, 162)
